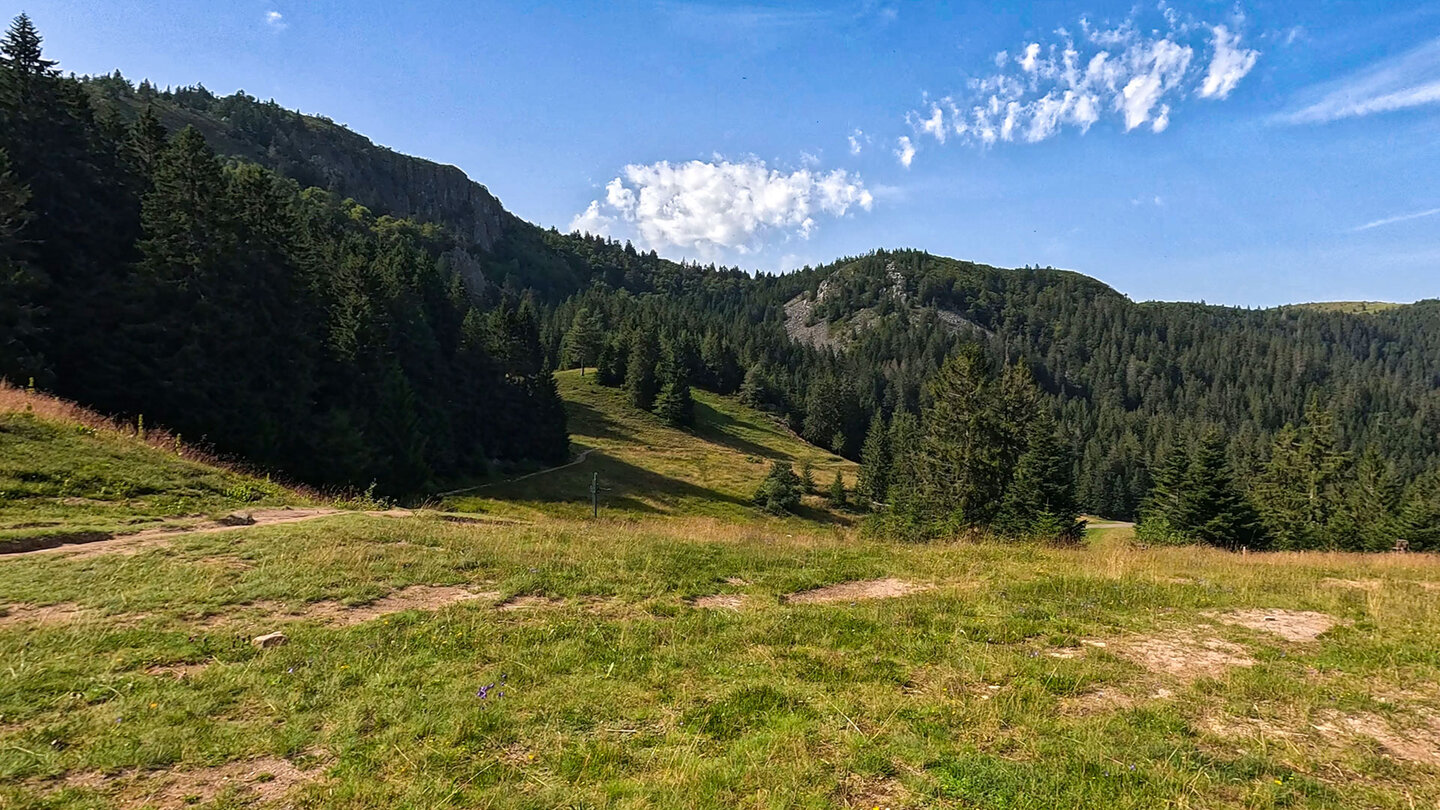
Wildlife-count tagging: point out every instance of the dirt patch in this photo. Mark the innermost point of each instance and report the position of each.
(262, 781)
(1418, 744)
(414, 597)
(94, 544)
(1358, 584)
(529, 603)
(1183, 655)
(869, 792)
(854, 591)
(179, 672)
(720, 601)
(1291, 625)
(21, 613)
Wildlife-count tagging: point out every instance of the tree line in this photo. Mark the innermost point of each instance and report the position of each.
(141, 274)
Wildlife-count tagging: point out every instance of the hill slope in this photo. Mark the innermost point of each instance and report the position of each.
(647, 468)
(70, 476)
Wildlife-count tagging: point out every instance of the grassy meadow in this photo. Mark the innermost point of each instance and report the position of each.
(684, 650)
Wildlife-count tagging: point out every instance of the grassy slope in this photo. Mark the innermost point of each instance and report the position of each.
(619, 693)
(646, 468)
(64, 471)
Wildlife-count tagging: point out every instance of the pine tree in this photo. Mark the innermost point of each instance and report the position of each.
(1040, 500)
(641, 383)
(807, 476)
(964, 451)
(1372, 513)
(779, 492)
(582, 341)
(675, 406)
(1419, 523)
(1162, 517)
(874, 482)
(837, 492)
(1213, 510)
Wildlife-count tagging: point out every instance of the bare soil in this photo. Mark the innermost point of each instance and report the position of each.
(21, 613)
(1183, 654)
(721, 601)
(267, 780)
(90, 544)
(888, 588)
(1291, 625)
(1419, 745)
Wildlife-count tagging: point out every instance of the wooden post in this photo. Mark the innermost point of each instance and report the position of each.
(595, 494)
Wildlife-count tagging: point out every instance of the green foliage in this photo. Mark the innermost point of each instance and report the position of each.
(780, 491)
(837, 494)
(641, 381)
(140, 273)
(874, 482)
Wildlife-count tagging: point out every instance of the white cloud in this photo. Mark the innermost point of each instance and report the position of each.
(905, 150)
(710, 206)
(591, 220)
(1392, 220)
(275, 20)
(1228, 66)
(1411, 79)
(858, 139)
(1139, 71)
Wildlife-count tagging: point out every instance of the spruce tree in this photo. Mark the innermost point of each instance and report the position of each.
(1162, 517)
(964, 451)
(641, 383)
(1213, 510)
(1040, 500)
(874, 482)
(779, 492)
(582, 340)
(675, 406)
(837, 492)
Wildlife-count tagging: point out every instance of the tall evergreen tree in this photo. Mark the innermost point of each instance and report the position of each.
(1213, 510)
(582, 340)
(874, 482)
(641, 382)
(1040, 500)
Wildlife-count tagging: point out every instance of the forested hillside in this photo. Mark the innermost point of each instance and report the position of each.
(348, 314)
(145, 277)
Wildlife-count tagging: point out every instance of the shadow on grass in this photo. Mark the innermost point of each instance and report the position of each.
(589, 421)
(716, 426)
(623, 486)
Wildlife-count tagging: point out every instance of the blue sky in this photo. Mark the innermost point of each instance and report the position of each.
(1253, 153)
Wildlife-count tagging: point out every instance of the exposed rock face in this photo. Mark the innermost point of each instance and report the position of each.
(315, 151)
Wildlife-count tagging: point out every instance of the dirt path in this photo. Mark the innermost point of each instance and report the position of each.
(1110, 524)
(243, 519)
(579, 459)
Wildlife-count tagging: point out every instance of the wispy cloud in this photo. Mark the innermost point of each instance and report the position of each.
(708, 206)
(905, 151)
(276, 20)
(1411, 79)
(1138, 70)
(858, 139)
(1380, 223)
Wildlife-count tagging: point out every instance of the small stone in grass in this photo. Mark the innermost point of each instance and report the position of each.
(269, 640)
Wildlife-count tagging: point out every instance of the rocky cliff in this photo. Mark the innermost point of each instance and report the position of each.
(316, 151)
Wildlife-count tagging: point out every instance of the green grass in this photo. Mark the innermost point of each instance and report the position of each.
(647, 468)
(622, 694)
(612, 689)
(60, 478)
